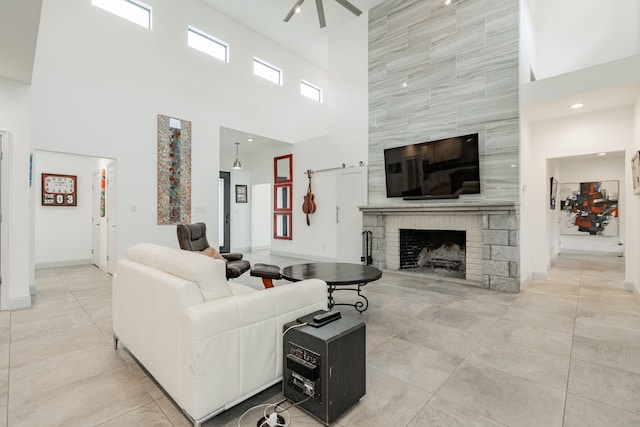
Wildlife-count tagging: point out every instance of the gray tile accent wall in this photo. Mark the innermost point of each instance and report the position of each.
(460, 66)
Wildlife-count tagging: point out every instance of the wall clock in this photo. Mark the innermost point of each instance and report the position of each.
(59, 190)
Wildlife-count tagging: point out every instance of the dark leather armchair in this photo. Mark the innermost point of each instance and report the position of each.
(193, 237)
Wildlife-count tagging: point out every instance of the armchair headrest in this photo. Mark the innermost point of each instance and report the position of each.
(192, 237)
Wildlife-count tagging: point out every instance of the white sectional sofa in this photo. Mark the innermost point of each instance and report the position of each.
(209, 343)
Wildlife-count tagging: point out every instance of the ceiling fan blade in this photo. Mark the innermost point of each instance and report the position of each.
(293, 10)
(349, 6)
(323, 22)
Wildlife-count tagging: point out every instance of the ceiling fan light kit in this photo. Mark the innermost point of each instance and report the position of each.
(320, 8)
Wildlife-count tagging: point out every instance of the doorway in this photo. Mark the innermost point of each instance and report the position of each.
(352, 192)
(112, 229)
(76, 235)
(224, 196)
(98, 253)
(4, 223)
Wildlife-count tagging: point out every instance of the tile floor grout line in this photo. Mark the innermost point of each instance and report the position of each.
(573, 337)
(464, 359)
(9, 370)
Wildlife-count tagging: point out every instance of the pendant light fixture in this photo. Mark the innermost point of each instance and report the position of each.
(236, 164)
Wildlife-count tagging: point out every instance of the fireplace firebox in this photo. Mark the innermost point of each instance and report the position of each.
(440, 252)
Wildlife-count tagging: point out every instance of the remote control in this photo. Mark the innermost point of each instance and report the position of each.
(327, 317)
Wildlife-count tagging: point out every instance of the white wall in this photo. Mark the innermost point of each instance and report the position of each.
(316, 241)
(17, 216)
(525, 200)
(575, 34)
(553, 227)
(348, 96)
(240, 212)
(63, 235)
(601, 168)
(610, 130)
(99, 83)
(261, 216)
(632, 247)
(347, 143)
(527, 39)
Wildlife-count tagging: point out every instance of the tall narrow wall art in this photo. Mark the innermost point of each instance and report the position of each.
(174, 170)
(635, 172)
(589, 208)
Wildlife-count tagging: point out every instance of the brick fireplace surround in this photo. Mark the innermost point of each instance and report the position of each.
(492, 247)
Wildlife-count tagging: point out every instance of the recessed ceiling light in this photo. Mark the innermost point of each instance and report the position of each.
(602, 154)
(404, 84)
(250, 139)
(513, 166)
(298, 9)
(447, 2)
(577, 105)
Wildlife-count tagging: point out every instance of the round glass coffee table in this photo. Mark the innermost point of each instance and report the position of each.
(339, 277)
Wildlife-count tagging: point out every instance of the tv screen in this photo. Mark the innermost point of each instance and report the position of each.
(446, 167)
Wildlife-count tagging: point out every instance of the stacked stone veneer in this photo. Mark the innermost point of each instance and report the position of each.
(492, 247)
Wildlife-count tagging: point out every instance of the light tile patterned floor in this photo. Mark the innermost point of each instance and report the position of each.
(565, 352)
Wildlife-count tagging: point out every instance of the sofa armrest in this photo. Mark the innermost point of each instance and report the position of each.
(146, 317)
(237, 341)
(232, 256)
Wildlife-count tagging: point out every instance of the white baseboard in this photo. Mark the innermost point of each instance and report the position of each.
(67, 263)
(524, 281)
(18, 303)
(629, 286)
(239, 250)
(590, 252)
(298, 255)
(539, 276)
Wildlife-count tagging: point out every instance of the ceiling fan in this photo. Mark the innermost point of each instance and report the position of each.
(320, 7)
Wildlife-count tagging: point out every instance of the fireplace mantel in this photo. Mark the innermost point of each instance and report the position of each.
(473, 207)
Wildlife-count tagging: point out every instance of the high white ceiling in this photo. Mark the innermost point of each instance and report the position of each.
(302, 34)
(19, 21)
(249, 143)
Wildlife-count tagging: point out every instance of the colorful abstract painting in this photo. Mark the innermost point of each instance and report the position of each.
(102, 192)
(174, 170)
(635, 172)
(589, 208)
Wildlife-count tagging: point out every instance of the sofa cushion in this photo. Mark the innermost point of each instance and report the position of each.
(208, 273)
(145, 253)
(240, 289)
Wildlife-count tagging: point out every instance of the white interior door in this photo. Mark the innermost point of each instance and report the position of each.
(4, 236)
(261, 217)
(112, 252)
(352, 192)
(221, 208)
(95, 219)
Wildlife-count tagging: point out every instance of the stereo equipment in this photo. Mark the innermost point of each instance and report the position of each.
(325, 365)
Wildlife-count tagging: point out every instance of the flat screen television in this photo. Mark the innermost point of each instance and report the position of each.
(444, 168)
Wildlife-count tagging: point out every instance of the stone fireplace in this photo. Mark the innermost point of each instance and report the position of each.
(491, 241)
